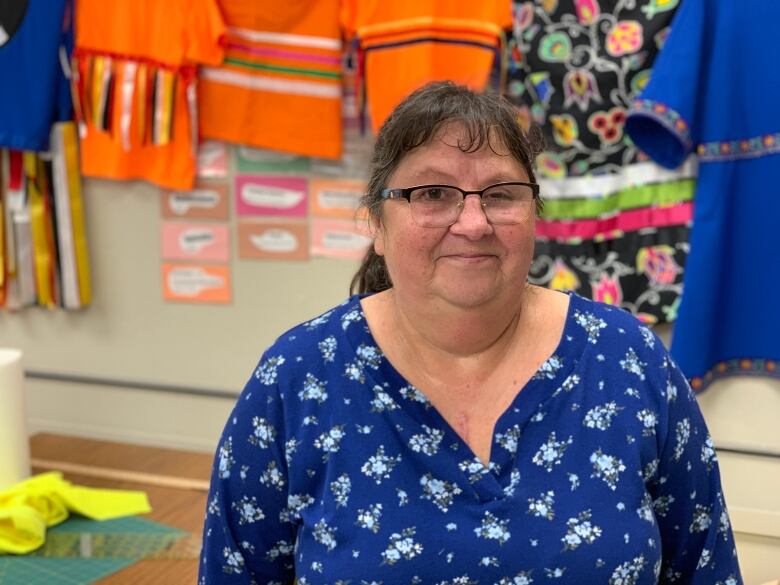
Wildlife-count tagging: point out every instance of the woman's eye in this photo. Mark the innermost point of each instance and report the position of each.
(433, 194)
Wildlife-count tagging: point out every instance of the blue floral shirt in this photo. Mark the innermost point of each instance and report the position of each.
(334, 469)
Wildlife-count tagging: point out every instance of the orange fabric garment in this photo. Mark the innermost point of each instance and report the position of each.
(150, 48)
(407, 43)
(280, 84)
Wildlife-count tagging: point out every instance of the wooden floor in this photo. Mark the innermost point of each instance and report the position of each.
(180, 507)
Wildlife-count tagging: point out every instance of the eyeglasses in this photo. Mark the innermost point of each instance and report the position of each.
(440, 205)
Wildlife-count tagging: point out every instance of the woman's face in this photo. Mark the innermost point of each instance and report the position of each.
(472, 261)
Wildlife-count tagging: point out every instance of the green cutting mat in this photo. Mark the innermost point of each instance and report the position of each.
(81, 551)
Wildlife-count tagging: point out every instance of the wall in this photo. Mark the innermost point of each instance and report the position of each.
(166, 374)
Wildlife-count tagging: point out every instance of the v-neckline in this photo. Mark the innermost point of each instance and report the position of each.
(496, 480)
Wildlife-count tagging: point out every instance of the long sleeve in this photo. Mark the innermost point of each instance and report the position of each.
(248, 534)
(698, 544)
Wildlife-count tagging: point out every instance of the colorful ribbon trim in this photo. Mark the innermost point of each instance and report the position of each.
(736, 367)
(739, 149)
(607, 228)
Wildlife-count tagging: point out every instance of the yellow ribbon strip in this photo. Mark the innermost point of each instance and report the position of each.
(71, 146)
(42, 258)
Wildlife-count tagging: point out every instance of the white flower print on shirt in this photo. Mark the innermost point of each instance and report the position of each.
(600, 417)
(428, 443)
(353, 316)
(328, 347)
(522, 578)
(607, 468)
(411, 393)
(592, 325)
(325, 534)
(628, 573)
(509, 439)
(708, 456)
(367, 356)
(645, 511)
(272, 476)
(280, 549)
(543, 506)
(648, 336)
(264, 432)
(369, 518)
(514, 480)
(225, 459)
(662, 504)
(266, 371)
(330, 441)
(441, 493)
(341, 488)
(549, 369)
(248, 510)
(234, 561)
(295, 503)
(702, 519)
(401, 546)
(682, 433)
(632, 364)
(649, 420)
(551, 452)
(380, 466)
(313, 389)
(382, 401)
(321, 320)
(580, 530)
(493, 529)
(475, 469)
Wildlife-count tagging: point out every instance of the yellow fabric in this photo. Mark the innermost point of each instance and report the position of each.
(29, 507)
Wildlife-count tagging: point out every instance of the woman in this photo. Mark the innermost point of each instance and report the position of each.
(458, 425)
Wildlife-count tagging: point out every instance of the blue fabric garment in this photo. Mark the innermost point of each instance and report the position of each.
(333, 468)
(35, 91)
(714, 91)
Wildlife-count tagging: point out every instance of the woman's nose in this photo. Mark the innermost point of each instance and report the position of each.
(472, 221)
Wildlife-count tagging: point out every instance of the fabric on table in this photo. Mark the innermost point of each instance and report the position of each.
(29, 507)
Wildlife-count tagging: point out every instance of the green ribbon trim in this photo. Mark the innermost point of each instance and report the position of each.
(278, 69)
(658, 194)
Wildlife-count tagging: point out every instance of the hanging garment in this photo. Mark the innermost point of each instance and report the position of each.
(279, 86)
(134, 78)
(714, 91)
(33, 33)
(405, 44)
(615, 226)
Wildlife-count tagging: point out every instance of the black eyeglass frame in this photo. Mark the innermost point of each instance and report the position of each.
(406, 192)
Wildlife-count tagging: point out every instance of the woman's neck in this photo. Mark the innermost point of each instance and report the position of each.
(453, 342)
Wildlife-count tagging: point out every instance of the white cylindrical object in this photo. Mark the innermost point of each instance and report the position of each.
(14, 442)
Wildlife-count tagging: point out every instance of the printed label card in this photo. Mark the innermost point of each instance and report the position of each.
(273, 240)
(274, 196)
(196, 283)
(212, 159)
(339, 238)
(335, 198)
(207, 201)
(201, 242)
(258, 160)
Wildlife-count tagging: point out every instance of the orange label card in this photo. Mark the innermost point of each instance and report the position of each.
(273, 240)
(196, 283)
(335, 198)
(209, 200)
(190, 241)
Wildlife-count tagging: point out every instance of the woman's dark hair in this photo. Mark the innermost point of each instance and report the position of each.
(415, 122)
